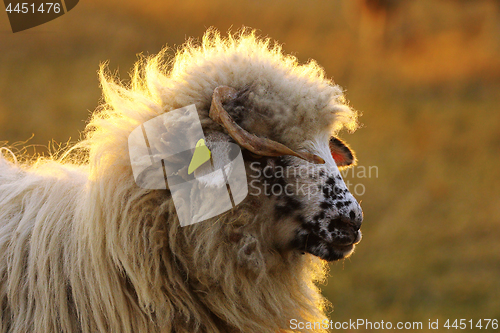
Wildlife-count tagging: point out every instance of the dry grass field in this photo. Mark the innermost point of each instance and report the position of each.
(424, 74)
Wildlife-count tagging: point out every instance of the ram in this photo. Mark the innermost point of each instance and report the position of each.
(83, 248)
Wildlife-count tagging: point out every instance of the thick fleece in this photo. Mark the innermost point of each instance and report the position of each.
(84, 249)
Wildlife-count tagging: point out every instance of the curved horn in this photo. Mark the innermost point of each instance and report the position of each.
(255, 144)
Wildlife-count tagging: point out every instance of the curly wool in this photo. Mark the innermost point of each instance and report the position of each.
(84, 249)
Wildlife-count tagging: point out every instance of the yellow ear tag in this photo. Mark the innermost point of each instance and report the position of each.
(200, 156)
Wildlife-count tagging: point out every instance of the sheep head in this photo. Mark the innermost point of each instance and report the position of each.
(311, 195)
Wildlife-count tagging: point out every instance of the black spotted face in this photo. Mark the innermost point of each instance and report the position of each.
(309, 204)
(315, 197)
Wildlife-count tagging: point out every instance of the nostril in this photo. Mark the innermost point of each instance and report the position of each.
(351, 219)
(354, 220)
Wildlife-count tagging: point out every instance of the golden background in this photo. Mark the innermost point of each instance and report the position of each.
(425, 75)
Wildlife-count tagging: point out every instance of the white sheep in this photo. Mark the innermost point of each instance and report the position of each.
(83, 248)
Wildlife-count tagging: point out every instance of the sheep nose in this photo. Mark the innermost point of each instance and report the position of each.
(345, 230)
(354, 220)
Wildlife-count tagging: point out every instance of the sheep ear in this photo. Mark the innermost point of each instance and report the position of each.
(341, 153)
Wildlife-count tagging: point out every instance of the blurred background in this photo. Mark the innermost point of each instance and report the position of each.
(425, 75)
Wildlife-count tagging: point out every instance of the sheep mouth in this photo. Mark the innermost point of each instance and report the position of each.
(338, 252)
(329, 250)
